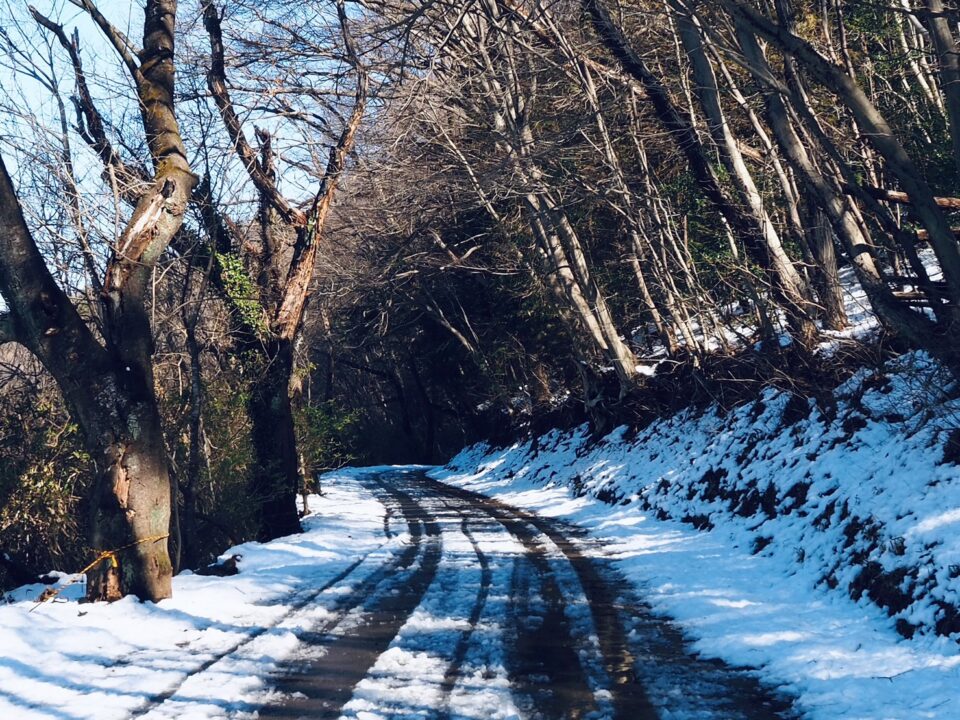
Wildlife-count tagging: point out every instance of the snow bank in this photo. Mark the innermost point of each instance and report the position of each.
(813, 536)
(64, 659)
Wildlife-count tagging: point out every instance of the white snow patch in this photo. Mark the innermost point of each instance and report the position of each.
(753, 590)
(68, 660)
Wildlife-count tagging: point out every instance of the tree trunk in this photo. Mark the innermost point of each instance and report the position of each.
(275, 475)
(774, 258)
(582, 295)
(283, 294)
(874, 125)
(744, 224)
(134, 494)
(948, 57)
(110, 394)
(189, 526)
(132, 515)
(826, 189)
(637, 254)
(826, 278)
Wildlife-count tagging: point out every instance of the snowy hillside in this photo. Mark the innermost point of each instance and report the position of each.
(811, 543)
(807, 539)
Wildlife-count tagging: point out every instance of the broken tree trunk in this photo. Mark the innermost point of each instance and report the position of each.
(109, 387)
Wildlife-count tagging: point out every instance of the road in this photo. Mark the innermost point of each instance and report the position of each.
(487, 612)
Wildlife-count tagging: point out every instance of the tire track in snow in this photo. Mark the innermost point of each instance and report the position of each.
(591, 677)
(554, 669)
(548, 650)
(340, 609)
(542, 659)
(421, 669)
(660, 660)
(570, 654)
(455, 669)
(323, 685)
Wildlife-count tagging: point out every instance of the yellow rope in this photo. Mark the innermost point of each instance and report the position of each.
(111, 554)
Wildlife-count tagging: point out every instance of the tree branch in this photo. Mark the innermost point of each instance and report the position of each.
(895, 196)
(90, 125)
(217, 83)
(47, 322)
(300, 273)
(121, 43)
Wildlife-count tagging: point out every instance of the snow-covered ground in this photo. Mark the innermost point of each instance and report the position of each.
(801, 539)
(68, 661)
(804, 539)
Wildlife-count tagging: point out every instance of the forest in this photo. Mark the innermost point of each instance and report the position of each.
(243, 243)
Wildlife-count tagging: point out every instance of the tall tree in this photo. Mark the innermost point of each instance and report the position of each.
(282, 273)
(108, 384)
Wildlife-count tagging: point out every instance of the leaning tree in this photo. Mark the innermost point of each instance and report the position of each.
(106, 376)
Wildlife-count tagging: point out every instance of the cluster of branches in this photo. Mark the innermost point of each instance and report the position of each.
(546, 200)
(562, 194)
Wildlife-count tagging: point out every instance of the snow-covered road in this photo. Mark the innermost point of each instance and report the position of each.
(493, 612)
(405, 598)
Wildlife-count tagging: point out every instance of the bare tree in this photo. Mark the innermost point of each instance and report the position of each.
(283, 269)
(108, 385)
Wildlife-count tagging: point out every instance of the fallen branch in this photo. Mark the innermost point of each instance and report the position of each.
(896, 196)
(221, 569)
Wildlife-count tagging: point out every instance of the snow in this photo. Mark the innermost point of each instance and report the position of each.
(68, 660)
(411, 674)
(797, 538)
(795, 514)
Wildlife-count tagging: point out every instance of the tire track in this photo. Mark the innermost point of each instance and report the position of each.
(664, 661)
(455, 669)
(556, 654)
(542, 659)
(545, 671)
(323, 685)
(556, 668)
(341, 608)
(445, 598)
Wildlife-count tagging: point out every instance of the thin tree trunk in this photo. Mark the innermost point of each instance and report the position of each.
(189, 525)
(429, 412)
(827, 278)
(788, 280)
(831, 201)
(948, 60)
(664, 329)
(744, 225)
